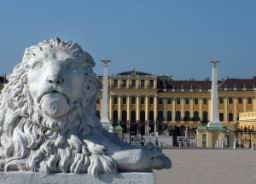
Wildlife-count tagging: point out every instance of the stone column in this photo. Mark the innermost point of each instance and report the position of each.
(225, 109)
(165, 109)
(128, 108)
(128, 111)
(214, 118)
(209, 101)
(191, 107)
(244, 104)
(119, 107)
(182, 107)
(155, 114)
(138, 108)
(235, 109)
(104, 107)
(146, 108)
(200, 108)
(146, 115)
(110, 107)
(173, 109)
(254, 103)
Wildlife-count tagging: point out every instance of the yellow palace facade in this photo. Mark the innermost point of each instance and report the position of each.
(143, 103)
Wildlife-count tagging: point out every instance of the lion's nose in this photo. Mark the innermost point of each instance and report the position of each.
(55, 79)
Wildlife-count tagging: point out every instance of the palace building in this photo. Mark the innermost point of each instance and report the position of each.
(246, 130)
(143, 103)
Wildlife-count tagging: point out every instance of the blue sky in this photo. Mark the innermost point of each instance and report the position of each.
(176, 37)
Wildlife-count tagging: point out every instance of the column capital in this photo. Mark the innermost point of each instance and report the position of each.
(214, 62)
(105, 62)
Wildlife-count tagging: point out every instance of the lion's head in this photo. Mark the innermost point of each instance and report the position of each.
(47, 109)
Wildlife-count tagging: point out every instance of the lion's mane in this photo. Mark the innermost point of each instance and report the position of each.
(27, 142)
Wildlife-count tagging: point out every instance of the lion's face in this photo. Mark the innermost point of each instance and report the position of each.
(55, 81)
(48, 109)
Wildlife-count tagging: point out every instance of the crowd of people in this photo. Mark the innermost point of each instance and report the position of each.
(140, 140)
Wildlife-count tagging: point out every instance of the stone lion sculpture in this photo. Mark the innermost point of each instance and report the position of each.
(48, 122)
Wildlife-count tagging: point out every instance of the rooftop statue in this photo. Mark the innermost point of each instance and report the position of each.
(48, 122)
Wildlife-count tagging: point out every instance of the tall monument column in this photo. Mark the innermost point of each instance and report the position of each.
(104, 108)
(214, 134)
(214, 118)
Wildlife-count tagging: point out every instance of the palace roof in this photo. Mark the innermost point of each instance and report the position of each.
(133, 72)
(186, 85)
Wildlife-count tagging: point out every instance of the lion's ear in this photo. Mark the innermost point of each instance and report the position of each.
(89, 61)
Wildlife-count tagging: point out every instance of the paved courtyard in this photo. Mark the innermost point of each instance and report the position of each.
(195, 166)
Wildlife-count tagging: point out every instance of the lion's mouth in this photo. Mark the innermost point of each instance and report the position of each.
(49, 93)
(54, 104)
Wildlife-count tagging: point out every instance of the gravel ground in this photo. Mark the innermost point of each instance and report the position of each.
(195, 166)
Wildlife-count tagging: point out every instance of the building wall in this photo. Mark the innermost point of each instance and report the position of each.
(247, 121)
(246, 131)
(127, 94)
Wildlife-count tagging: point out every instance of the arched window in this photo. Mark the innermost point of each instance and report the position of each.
(205, 116)
(115, 116)
(196, 116)
(142, 116)
(151, 116)
(230, 116)
(124, 116)
(221, 116)
(133, 116)
(187, 116)
(160, 116)
(169, 116)
(177, 116)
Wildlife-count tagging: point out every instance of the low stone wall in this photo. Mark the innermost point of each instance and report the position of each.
(42, 178)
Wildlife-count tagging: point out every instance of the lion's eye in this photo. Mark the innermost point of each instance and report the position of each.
(37, 65)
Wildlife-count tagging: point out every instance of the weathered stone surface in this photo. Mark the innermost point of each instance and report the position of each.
(41, 178)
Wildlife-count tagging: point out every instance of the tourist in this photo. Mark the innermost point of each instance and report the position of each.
(142, 141)
(156, 142)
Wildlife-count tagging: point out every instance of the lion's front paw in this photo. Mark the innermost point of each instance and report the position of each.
(155, 158)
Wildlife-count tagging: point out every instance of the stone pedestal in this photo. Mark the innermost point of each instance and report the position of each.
(214, 134)
(211, 137)
(42, 178)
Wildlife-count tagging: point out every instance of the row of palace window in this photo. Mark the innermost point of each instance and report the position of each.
(177, 100)
(141, 84)
(160, 116)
